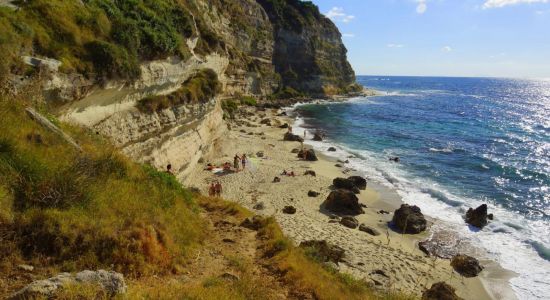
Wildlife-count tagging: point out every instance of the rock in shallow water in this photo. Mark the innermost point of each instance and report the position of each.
(477, 217)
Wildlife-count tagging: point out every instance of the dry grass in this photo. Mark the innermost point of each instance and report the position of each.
(95, 209)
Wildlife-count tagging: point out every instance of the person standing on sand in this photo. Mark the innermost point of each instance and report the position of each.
(243, 161)
(218, 189)
(212, 190)
(236, 161)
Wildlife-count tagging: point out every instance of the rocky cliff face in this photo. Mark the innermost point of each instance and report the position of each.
(255, 47)
(309, 53)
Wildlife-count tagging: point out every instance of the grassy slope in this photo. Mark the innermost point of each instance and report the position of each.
(61, 210)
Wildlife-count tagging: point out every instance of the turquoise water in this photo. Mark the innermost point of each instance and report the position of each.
(462, 142)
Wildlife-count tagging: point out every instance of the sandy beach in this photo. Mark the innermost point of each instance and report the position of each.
(390, 260)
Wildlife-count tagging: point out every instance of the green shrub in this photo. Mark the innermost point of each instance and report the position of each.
(286, 93)
(71, 210)
(199, 88)
(229, 107)
(248, 100)
(113, 61)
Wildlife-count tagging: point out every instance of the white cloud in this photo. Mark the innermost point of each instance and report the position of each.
(447, 49)
(502, 3)
(338, 14)
(421, 7)
(395, 46)
(348, 35)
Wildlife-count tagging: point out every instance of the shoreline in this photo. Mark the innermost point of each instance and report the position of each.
(404, 267)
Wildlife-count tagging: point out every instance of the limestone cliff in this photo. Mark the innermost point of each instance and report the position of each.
(98, 59)
(309, 53)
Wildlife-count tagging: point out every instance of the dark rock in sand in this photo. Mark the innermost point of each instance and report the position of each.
(282, 114)
(295, 150)
(266, 122)
(359, 182)
(308, 154)
(369, 230)
(409, 219)
(383, 212)
(312, 194)
(260, 154)
(284, 126)
(346, 184)
(466, 266)
(242, 130)
(317, 137)
(331, 149)
(292, 137)
(338, 166)
(343, 202)
(311, 173)
(440, 291)
(253, 223)
(477, 217)
(349, 222)
(325, 251)
(259, 206)
(276, 179)
(290, 210)
(229, 277)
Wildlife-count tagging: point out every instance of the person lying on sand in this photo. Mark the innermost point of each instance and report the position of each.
(226, 166)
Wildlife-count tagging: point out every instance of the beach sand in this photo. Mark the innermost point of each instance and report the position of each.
(404, 267)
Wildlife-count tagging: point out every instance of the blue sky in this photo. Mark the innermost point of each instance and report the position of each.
(496, 38)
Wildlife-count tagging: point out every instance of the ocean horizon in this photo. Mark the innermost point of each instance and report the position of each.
(463, 141)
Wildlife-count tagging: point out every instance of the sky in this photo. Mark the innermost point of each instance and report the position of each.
(473, 38)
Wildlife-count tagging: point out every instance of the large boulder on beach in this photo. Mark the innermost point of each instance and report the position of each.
(308, 154)
(324, 251)
(409, 219)
(292, 137)
(343, 202)
(440, 291)
(477, 217)
(346, 184)
(466, 266)
(359, 182)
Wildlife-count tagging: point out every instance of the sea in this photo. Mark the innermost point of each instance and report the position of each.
(461, 142)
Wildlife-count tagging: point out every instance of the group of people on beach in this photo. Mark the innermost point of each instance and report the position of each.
(239, 160)
(215, 189)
